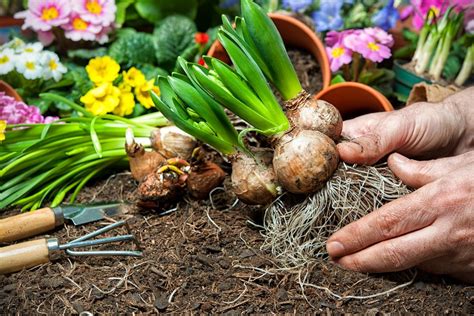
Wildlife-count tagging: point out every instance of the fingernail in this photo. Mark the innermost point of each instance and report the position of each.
(335, 249)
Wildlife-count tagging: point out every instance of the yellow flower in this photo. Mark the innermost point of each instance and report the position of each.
(102, 69)
(3, 125)
(143, 93)
(127, 101)
(102, 99)
(134, 77)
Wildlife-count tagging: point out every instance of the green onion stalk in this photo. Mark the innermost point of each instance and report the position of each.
(444, 47)
(303, 156)
(466, 68)
(437, 31)
(46, 162)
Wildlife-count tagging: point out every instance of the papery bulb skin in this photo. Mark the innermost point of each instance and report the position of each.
(203, 179)
(161, 187)
(305, 112)
(304, 160)
(141, 162)
(254, 180)
(173, 142)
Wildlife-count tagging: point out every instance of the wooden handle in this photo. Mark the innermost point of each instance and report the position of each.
(23, 255)
(27, 225)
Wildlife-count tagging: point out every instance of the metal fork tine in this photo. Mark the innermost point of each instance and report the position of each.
(94, 242)
(105, 253)
(99, 231)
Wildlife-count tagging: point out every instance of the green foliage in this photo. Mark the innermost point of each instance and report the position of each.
(132, 48)
(175, 37)
(155, 11)
(86, 54)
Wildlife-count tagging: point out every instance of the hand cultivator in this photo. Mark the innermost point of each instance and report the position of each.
(31, 253)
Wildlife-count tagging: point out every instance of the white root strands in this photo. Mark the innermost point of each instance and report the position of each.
(297, 234)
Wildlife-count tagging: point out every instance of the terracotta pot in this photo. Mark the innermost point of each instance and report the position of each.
(295, 34)
(7, 21)
(354, 99)
(5, 87)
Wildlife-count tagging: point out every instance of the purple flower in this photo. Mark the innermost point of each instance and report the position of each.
(387, 17)
(367, 46)
(380, 36)
(338, 55)
(328, 17)
(297, 5)
(15, 112)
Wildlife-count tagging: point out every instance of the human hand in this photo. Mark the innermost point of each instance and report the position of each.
(432, 228)
(421, 130)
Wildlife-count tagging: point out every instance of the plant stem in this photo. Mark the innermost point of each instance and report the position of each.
(466, 68)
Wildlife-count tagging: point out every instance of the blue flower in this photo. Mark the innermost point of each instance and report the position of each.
(328, 17)
(297, 5)
(387, 17)
(226, 4)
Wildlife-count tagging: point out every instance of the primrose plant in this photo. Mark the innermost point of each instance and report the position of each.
(86, 20)
(355, 54)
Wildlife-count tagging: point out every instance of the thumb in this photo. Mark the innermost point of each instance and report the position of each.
(367, 149)
(416, 173)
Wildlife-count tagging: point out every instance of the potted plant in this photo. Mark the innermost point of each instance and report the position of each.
(444, 54)
(294, 33)
(354, 57)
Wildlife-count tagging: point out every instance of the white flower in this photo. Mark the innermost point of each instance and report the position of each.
(29, 66)
(31, 48)
(14, 44)
(52, 67)
(7, 61)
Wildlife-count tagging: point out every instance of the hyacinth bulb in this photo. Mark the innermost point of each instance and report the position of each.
(173, 142)
(203, 178)
(304, 160)
(253, 179)
(141, 162)
(316, 115)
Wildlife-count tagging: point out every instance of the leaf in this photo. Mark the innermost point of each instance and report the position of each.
(337, 79)
(174, 36)
(156, 10)
(87, 54)
(121, 12)
(132, 48)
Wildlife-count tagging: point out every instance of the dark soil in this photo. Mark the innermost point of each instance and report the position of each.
(205, 259)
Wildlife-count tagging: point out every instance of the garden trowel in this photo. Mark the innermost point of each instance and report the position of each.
(45, 219)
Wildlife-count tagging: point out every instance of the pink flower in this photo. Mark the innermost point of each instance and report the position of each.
(367, 46)
(333, 37)
(99, 12)
(78, 29)
(380, 36)
(14, 112)
(338, 56)
(43, 15)
(45, 37)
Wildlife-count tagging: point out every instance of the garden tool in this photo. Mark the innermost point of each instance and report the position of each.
(32, 253)
(45, 219)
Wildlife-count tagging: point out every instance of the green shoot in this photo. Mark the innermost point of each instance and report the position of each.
(45, 162)
(467, 67)
(270, 47)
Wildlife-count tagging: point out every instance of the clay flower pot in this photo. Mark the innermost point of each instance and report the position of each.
(354, 99)
(295, 34)
(5, 87)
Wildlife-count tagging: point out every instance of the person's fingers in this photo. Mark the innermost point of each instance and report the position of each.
(395, 254)
(444, 265)
(418, 173)
(406, 214)
(371, 137)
